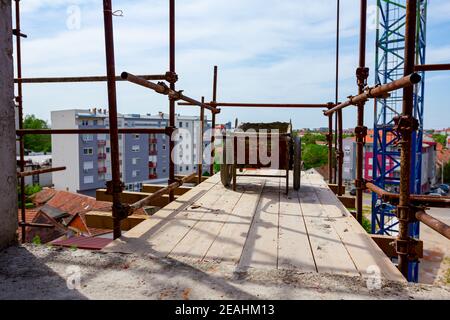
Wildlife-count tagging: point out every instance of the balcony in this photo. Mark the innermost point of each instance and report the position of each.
(102, 170)
(101, 156)
(152, 164)
(101, 143)
(153, 152)
(153, 176)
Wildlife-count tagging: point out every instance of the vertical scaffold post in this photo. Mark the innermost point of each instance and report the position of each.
(172, 87)
(405, 125)
(362, 73)
(213, 122)
(115, 186)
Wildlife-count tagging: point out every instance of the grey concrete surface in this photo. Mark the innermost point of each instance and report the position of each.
(42, 272)
(8, 180)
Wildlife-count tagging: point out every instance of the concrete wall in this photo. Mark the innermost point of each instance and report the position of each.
(8, 185)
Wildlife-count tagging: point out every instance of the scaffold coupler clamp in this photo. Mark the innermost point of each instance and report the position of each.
(165, 88)
(362, 74)
(171, 77)
(112, 187)
(361, 132)
(175, 95)
(170, 130)
(122, 211)
(405, 125)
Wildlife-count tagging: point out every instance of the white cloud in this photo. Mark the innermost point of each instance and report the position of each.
(266, 51)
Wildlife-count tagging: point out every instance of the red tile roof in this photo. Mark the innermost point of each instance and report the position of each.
(74, 203)
(89, 243)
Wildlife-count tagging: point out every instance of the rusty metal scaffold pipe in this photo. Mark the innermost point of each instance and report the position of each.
(378, 91)
(260, 105)
(338, 14)
(432, 67)
(433, 223)
(84, 79)
(23, 132)
(163, 89)
(362, 74)
(415, 199)
(405, 128)
(200, 145)
(330, 148)
(115, 184)
(213, 122)
(340, 154)
(39, 171)
(172, 88)
(19, 101)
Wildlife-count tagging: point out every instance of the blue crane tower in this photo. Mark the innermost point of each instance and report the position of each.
(386, 149)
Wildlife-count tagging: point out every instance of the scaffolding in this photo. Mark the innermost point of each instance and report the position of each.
(410, 206)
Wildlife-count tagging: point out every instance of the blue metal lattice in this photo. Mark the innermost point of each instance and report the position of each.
(386, 149)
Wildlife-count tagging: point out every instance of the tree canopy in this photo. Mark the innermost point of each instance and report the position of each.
(36, 143)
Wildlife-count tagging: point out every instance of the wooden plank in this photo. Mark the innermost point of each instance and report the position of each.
(329, 252)
(261, 246)
(166, 238)
(231, 240)
(137, 240)
(348, 202)
(194, 246)
(294, 250)
(132, 197)
(386, 244)
(364, 253)
(152, 188)
(104, 220)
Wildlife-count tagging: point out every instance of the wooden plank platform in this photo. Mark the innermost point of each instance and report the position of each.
(258, 226)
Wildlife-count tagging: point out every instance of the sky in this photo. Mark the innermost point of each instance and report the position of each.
(266, 51)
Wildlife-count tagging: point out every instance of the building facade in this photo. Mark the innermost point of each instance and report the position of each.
(144, 158)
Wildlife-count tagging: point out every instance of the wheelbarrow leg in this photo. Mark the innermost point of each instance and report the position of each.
(287, 181)
(234, 162)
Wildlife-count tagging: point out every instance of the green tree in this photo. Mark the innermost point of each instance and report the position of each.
(314, 156)
(37, 143)
(440, 138)
(447, 173)
(312, 138)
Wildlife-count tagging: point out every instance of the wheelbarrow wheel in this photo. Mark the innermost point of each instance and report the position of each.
(297, 165)
(226, 174)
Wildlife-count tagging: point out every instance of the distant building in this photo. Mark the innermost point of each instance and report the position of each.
(36, 162)
(448, 142)
(143, 158)
(349, 163)
(428, 169)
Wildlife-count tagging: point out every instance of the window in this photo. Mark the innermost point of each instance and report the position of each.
(108, 149)
(136, 136)
(370, 173)
(136, 148)
(164, 170)
(88, 179)
(84, 123)
(370, 160)
(136, 161)
(164, 147)
(187, 168)
(136, 173)
(95, 122)
(88, 151)
(88, 137)
(187, 124)
(181, 169)
(181, 125)
(88, 165)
